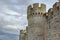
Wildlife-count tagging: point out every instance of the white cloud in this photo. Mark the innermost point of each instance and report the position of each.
(10, 12)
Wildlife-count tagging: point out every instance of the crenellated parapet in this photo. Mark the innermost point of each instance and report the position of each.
(56, 6)
(35, 9)
(50, 11)
(53, 11)
(35, 6)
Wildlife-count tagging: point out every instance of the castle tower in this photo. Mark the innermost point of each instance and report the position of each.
(36, 22)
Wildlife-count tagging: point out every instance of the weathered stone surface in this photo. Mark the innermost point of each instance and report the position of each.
(42, 25)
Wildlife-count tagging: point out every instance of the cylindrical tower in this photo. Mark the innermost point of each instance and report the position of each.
(36, 23)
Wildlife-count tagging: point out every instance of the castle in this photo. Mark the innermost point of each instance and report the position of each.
(42, 25)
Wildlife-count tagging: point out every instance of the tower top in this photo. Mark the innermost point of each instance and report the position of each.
(35, 9)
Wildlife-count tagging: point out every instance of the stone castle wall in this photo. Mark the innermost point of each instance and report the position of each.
(54, 23)
(42, 25)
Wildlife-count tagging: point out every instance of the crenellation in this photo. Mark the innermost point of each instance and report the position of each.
(53, 11)
(29, 9)
(35, 6)
(50, 10)
(43, 8)
(35, 9)
(23, 31)
(56, 5)
(43, 5)
(30, 6)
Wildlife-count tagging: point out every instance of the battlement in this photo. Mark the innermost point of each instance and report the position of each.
(22, 31)
(50, 11)
(54, 9)
(36, 9)
(35, 6)
(41, 10)
(56, 5)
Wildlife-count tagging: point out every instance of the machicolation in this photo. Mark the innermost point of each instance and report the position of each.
(36, 10)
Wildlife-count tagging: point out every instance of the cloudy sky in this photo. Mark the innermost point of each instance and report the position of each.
(13, 16)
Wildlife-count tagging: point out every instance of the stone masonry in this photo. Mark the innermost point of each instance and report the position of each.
(42, 25)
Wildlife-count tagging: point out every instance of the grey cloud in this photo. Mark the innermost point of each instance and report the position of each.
(18, 8)
(4, 23)
(3, 27)
(16, 2)
(24, 2)
(18, 15)
(8, 36)
(10, 30)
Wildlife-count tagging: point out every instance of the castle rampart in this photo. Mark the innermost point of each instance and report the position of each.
(42, 25)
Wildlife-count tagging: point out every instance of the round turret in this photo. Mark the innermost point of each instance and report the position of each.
(35, 12)
(36, 22)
